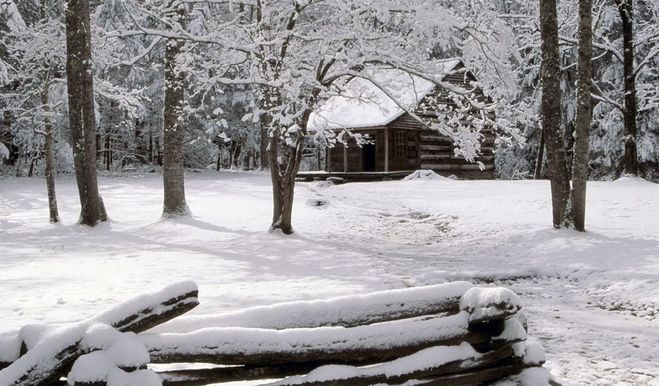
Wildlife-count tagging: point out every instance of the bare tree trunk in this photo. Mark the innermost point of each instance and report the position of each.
(219, 157)
(584, 89)
(108, 152)
(275, 176)
(625, 7)
(283, 181)
(81, 110)
(174, 132)
(49, 149)
(263, 146)
(283, 174)
(49, 143)
(540, 157)
(551, 112)
(33, 161)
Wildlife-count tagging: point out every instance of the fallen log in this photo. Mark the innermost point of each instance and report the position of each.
(355, 345)
(482, 376)
(30, 335)
(451, 334)
(57, 349)
(206, 376)
(346, 311)
(425, 363)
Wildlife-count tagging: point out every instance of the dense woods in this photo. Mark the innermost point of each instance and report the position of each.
(231, 84)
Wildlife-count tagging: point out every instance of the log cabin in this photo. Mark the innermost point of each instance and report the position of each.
(398, 143)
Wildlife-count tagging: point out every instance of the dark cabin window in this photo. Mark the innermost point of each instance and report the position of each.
(400, 144)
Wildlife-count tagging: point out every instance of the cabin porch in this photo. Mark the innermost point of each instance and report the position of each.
(315, 175)
(388, 150)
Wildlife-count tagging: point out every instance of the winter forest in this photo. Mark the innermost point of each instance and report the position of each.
(329, 192)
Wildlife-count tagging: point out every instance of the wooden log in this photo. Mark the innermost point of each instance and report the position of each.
(236, 373)
(457, 167)
(346, 311)
(29, 336)
(405, 369)
(436, 148)
(451, 159)
(426, 363)
(356, 345)
(483, 376)
(58, 349)
(502, 332)
(485, 304)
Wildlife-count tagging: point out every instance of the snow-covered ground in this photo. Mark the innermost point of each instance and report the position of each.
(592, 299)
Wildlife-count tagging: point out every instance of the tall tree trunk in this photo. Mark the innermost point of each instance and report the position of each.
(49, 149)
(276, 177)
(584, 89)
(49, 142)
(263, 146)
(551, 112)
(626, 9)
(283, 174)
(283, 180)
(81, 110)
(108, 152)
(150, 147)
(174, 131)
(540, 156)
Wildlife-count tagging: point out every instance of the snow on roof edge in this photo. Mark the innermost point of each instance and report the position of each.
(345, 111)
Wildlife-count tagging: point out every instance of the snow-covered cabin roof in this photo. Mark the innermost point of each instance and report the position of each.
(375, 101)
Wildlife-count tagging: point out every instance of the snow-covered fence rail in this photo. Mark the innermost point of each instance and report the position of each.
(49, 352)
(475, 337)
(450, 334)
(346, 311)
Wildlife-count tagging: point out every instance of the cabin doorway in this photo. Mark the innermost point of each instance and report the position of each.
(368, 157)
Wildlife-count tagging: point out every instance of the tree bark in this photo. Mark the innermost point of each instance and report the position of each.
(108, 152)
(263, 146)
(81, 110)
(49, 151)
(625, 7)
(174, 132)
(283, 180)
(584, 89)
(275, 176)
(283, 174)
(537, 174)
(49, 142)
(551, 112)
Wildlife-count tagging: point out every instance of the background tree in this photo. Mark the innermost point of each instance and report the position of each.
(36, 53)
(81, 110)
(626, 10)
(581, 142)
(173, 124)
(551, 112)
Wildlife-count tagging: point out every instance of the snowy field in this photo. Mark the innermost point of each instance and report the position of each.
(593, 298)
